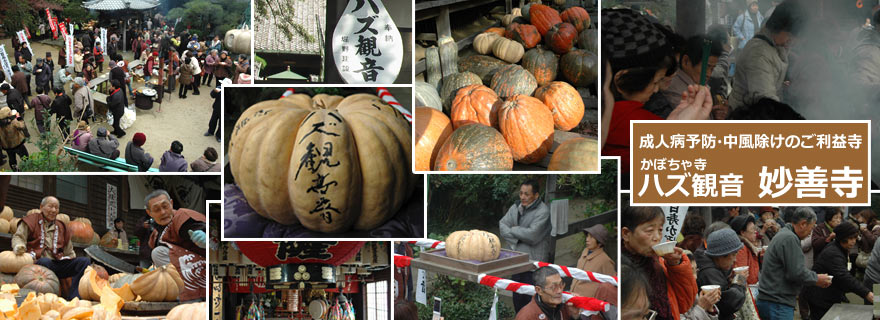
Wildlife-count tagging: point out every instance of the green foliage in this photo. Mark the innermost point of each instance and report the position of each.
(587, 186)
(463, 300)
(49, 158)
(472, 201)
(221, 15)
(17, 15)
(282, 13)
(327, 90)
(75, 11)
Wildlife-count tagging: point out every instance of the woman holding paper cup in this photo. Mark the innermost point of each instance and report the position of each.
(671, 280)
(748, 256)
(833, 261)
(824, 233)
(704, 305)
(714, 268)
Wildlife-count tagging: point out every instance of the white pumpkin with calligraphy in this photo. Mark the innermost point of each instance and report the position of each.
(367, 46)
(328, 162)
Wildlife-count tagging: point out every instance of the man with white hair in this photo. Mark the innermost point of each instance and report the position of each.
(47, 241)
(178, 238)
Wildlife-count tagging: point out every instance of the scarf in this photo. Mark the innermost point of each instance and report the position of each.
(657, 292)
(43, 240)
(553, 313)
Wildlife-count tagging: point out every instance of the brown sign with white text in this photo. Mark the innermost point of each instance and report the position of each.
(721, 162)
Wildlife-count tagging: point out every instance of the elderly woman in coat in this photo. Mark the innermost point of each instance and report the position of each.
(593, 259)
(833, 261)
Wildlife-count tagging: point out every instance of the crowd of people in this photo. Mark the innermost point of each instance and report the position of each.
(65, 91)
(762, 65)
(749, 264)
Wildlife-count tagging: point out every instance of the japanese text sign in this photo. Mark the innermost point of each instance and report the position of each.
(4, 62)
(754, 162)
(271, 253)
(367, 46)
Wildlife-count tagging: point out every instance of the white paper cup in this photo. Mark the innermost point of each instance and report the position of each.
(740, 269)
(664, 248)
(863, 225)
(710, 287)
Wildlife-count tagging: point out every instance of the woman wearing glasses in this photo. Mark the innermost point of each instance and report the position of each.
(672, 286)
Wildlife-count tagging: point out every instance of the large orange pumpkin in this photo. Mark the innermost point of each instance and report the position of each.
(578, 17)
(565, 104)
(475, 104)
(525, 34)
(432, 129)
(329, 162)
(543, 17)
(541, 63)
(162, 284)
(561, 37)
(527, 126)
(474, 147)
(578, 154)
(80, 232)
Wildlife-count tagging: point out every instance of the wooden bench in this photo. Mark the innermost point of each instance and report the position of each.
(117, 165)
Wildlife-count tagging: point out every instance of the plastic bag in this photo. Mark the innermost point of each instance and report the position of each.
(128, 118)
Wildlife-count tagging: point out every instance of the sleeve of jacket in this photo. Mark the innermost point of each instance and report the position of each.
(506, 224)
(681, 281)
(793, 264)
(836, 261)
(20, 236)
(737, 27)
(762, 81)
(818, 238)
(732, 297)
(533, 234)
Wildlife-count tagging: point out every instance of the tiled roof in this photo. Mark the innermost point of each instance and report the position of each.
(269, 39)
(120, 4)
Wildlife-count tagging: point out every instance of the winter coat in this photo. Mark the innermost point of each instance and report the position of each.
(744, 27)
(746, 257)
(210, 63)
(596, 261)
(61, 108)
(42, 75)
(820, 237)
(81, 140)
(833, 261)
(116, 102)
(103, 146)
(12, 134)
(223, 71)
(82, 100)
(865, 64)
(186, 74)
(872, 273)
(19, 81)
(172, 162)
(681, 286)
(14, 100)
(203, 165)
(532, 312)
(60, 78)
(732, 295)
(526, 229)
(783, 273)
(760, 71)
(135, 155)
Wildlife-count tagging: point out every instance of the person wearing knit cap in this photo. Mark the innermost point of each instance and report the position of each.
(714, 267)
(833, 261)
(12, 136)
(640, 57)
(594, 259)
(762, 65)
(783, 272)
(135, 154)
(748, 256)
(104, 145)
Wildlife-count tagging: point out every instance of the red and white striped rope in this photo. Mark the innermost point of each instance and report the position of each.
(589, 306)
(428, 243)
(579, 274)
(288, 92)
(386, 95)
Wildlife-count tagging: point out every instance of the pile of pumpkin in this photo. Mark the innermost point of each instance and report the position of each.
(161, 284)
(491, 112)
(80, 228)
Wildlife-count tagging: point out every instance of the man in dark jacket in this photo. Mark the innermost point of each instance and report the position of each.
(20, 81)
(118, 74)
(135, 154)
(714, 267)
(833, 261)
(116, 104)
(42, 77)
(51, 65)
(61, 109)
(214, 123)
(14, 99)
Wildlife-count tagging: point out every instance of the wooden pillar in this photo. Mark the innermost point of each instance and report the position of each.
(4, 189)
(690, 17)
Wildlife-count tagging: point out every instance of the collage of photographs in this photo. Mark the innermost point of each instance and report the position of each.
(460, 159)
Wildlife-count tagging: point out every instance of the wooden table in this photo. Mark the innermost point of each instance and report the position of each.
(503, 272)
(847, 311)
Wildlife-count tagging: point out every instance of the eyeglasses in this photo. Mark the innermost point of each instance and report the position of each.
(651, 315)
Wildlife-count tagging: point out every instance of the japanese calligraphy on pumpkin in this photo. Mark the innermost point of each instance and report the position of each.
(316, 161)
(366, 44)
